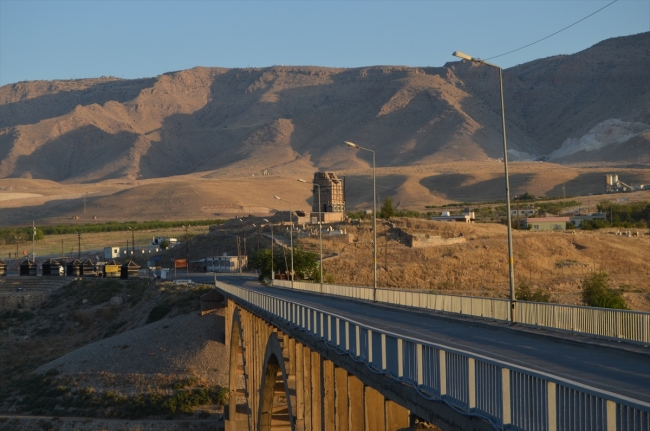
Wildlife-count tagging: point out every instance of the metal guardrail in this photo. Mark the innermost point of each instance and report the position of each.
(509, 396)
(625, 325)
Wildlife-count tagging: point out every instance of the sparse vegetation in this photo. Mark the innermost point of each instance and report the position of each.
(525, 292)
(597, 293)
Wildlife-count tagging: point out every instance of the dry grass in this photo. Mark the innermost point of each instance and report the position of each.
(556, 262)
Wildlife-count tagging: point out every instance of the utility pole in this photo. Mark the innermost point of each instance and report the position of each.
(187, 248)
(16, 239)
(33, 242)
(79, 238)
(132, 240)
(238, 255)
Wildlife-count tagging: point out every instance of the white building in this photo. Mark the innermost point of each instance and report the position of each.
(221, 263)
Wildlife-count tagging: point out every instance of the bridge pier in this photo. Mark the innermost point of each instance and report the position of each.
(283, 379)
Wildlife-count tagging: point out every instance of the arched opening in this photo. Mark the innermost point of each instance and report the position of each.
(238, 407)
(275, 401)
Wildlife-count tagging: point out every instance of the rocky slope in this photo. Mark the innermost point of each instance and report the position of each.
(240, 121)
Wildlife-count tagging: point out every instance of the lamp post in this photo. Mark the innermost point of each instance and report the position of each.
(290, 234)
(320, 232)
(187, 249)
(79, 250)
(511, 268)
(272, 245)
(244, 224)
(374, 214)
(133, 241)
(16, 239)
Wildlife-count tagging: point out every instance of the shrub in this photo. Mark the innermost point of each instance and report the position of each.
(158, 312)
(597, 293)
(524, 292)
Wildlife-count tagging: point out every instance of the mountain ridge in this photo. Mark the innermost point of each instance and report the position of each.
(242, 121)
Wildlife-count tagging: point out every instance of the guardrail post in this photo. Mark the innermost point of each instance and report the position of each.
(383, 352)
(419, 364)
(611, 415)
(337, 323)
(505, 396)
(357, 340)
(551, 405)
(400, 358)
(369, 346)
(442, 361)
(618, 318)
(329, 328)
(471, 381)
(347, 336)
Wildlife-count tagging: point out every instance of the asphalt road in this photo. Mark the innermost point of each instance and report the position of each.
(601, 364)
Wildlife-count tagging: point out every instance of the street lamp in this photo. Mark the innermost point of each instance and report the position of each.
(290, 234)
(320, 232)
(272, 245)
(133, 240)
(374, 213)
(244, 224)
(187, 248)
(511, 267)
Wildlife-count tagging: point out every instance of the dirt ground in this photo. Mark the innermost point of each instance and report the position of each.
(200, 196)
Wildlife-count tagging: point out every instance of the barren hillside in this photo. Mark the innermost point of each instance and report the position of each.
(240, 121)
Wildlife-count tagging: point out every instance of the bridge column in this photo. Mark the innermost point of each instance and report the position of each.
(329, 395)
(300, 387)
(342, 412)
(374, 410)
(316, 396)
(356, 402)
(307, 392)
(397, 417)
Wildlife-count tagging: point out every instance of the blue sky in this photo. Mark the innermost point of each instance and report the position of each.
(51, 39)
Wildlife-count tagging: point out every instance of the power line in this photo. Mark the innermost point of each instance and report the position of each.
(550, 35)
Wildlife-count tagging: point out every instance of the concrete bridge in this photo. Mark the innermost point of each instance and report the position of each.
(308, 361)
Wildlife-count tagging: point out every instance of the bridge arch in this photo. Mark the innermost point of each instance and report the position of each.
(276, 392)
(238, 405)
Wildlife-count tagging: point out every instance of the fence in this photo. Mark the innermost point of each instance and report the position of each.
(625, 325)
(509, 396)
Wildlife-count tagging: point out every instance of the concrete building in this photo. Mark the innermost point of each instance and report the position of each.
(547, 223)
(332, 198)
(577, 220)
(523, 212)
(221, 264)
(466, 217)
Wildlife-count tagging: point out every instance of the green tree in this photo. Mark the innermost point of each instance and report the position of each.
(164, 245)
(524, 292)
(305, 263)
(387, 211)
(597, 293)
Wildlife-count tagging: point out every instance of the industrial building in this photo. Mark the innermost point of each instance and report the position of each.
(332, 198)
(614, 185)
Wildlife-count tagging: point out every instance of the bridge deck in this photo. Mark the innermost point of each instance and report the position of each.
(600, 364)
